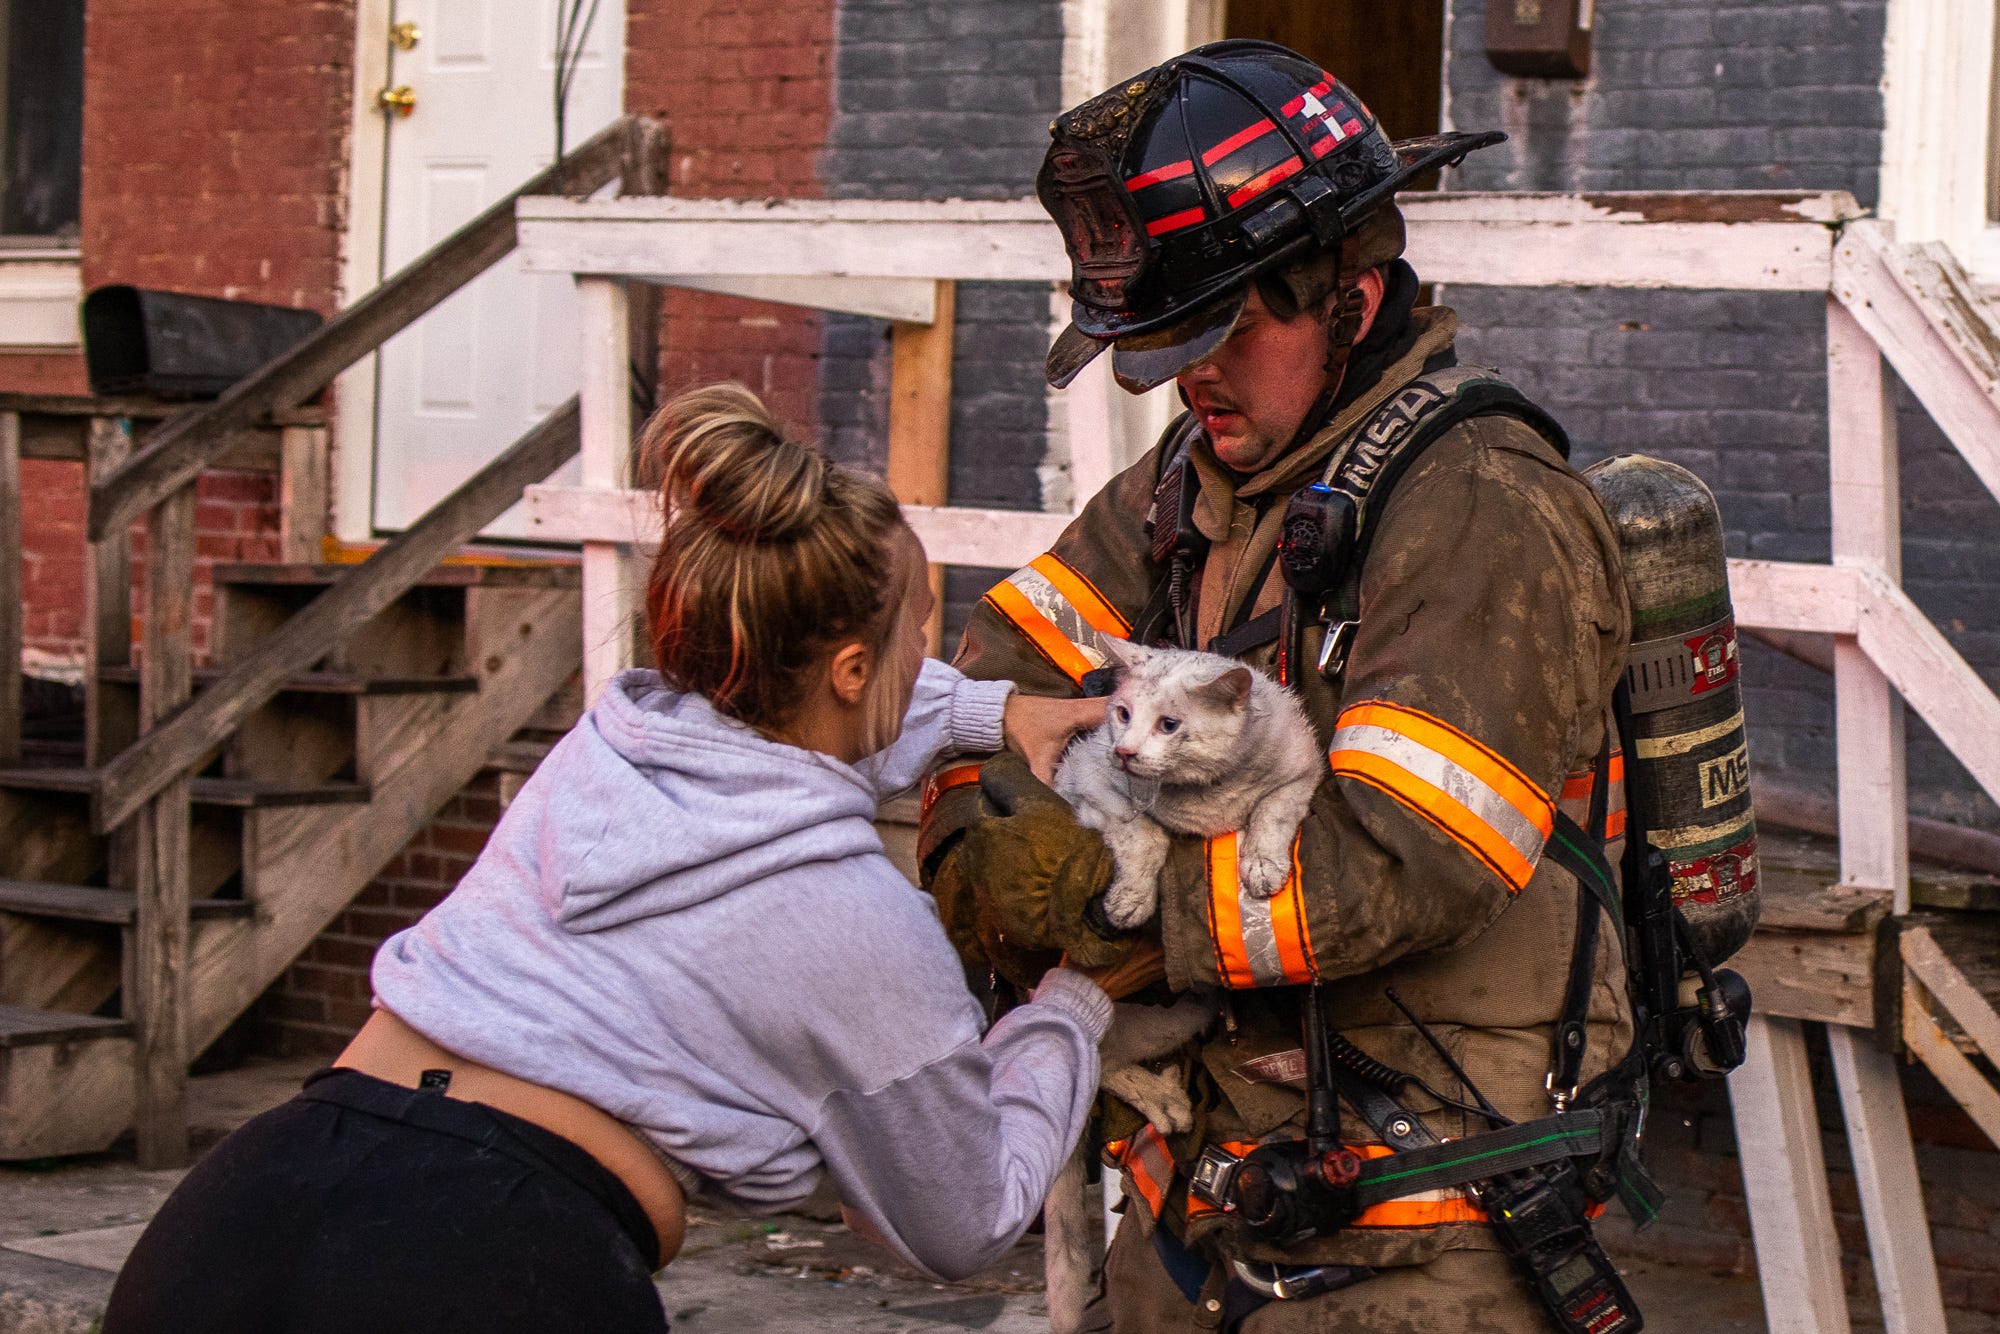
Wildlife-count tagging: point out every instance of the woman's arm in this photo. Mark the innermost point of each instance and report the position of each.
(948, 714)
(949, 1164)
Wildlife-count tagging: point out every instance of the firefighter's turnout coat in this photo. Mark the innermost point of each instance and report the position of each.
(1476, 700)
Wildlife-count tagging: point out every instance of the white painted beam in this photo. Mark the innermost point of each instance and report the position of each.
(1789, 595)
(1751, 242)
(1920, 308)
(951, 536)
(606, 406)
(1784, 1183)
(1885, 1174)
(903, 300)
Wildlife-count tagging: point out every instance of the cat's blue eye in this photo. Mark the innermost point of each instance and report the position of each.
(1170, 724)
(1124, 715)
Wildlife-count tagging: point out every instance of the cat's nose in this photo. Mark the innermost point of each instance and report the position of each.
(1123, 752)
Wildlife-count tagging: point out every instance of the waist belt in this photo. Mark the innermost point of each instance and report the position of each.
(1480, 1157)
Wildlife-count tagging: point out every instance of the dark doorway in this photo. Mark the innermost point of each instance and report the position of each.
(1391, 55)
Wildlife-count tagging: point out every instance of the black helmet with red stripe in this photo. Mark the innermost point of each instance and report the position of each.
(1178, 187)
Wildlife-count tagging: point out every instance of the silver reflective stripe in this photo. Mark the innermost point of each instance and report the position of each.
(1260, 941)
(1453, 779)
(1068, 621)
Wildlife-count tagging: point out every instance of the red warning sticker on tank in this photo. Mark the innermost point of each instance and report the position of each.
(1718, 877)
(1715, 657)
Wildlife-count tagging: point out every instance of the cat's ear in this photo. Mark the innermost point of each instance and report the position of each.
(1231, 690)
(1121, 653)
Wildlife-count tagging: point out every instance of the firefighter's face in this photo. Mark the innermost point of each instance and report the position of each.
(1253, 392)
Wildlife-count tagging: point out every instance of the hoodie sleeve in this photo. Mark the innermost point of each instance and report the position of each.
(949, 714)
(951, 1162)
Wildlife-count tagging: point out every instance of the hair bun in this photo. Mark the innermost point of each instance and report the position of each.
(724, 461)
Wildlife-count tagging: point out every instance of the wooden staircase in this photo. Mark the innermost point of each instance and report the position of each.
(290, 818)
(157, 878)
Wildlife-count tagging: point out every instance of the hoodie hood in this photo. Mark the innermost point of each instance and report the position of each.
(656, 802)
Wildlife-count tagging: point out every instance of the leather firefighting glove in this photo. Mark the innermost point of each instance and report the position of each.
(1037, 875)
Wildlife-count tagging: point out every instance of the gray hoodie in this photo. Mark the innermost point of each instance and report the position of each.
(694, 928)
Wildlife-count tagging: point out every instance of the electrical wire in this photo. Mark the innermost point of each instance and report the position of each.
(573, 24)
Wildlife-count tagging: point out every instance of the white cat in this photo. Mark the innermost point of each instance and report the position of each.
(1193, 744)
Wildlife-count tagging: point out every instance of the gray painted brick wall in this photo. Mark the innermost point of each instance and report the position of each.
(943, 101)
(1712, 95)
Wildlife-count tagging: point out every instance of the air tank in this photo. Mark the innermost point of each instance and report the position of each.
(1688, 784)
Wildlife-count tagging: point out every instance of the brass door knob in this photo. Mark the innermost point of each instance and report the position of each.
(397, 101)
(406, 35)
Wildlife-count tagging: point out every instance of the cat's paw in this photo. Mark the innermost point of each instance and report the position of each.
(1156, 1095)
(1262, 876)
(1128, 904)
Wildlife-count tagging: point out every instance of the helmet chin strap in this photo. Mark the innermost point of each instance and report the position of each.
(1343, 331)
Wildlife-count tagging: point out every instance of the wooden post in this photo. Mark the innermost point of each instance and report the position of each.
(12, 612)
(107, 601)
(304, 481)
(160, 844)
(920, 423)
(1784, 1182)
(1874, 819)
(1885, 1172)
(606, 403)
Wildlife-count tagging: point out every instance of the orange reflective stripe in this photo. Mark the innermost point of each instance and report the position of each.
(1288, 925)
(943, 781)
(1576, 786)
(1430, 1208)
(1420, 1213)
(1467, 790)
(1149, 1167)
(1258, 942)
(1014, 607)
(1060, 612)
(1225, 914)
(1082, 594)
(1441, 810)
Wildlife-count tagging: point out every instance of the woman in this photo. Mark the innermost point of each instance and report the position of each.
(681, 964)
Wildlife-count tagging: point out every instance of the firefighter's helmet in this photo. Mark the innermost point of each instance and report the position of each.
(1179, 186)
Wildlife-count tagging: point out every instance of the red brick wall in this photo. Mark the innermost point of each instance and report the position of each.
(42, 373)
(746, 88)
(1691, 1150)
(215, 145)
(236, 519)
(214, 161)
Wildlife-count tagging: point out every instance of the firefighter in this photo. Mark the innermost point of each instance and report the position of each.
(1231, 220)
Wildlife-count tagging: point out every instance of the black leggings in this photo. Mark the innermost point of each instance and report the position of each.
(362, 1206)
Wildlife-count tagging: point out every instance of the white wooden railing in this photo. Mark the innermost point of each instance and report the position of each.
(1909, 306)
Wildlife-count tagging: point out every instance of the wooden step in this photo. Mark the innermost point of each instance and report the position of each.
(329, 683)
(21, 1026)
(241, 793)
(85, 903)
(537, 574)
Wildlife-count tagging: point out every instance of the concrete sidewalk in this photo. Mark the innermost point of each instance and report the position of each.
(65, 1228)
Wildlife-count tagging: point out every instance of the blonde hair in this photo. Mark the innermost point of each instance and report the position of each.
(771, 556)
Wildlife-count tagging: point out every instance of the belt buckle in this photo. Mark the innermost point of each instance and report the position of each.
(1214, 1173)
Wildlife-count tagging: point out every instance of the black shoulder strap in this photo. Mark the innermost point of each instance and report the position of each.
(1368, 464)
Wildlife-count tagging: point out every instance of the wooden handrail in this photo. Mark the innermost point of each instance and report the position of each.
(179, 450)
(127, 782)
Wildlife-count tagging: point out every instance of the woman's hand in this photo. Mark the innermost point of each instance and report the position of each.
(1039, 729)
(1144, 965)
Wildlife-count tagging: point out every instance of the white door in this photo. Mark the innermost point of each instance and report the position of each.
(469, 378)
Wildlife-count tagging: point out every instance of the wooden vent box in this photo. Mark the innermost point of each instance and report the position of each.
(1539, 38)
